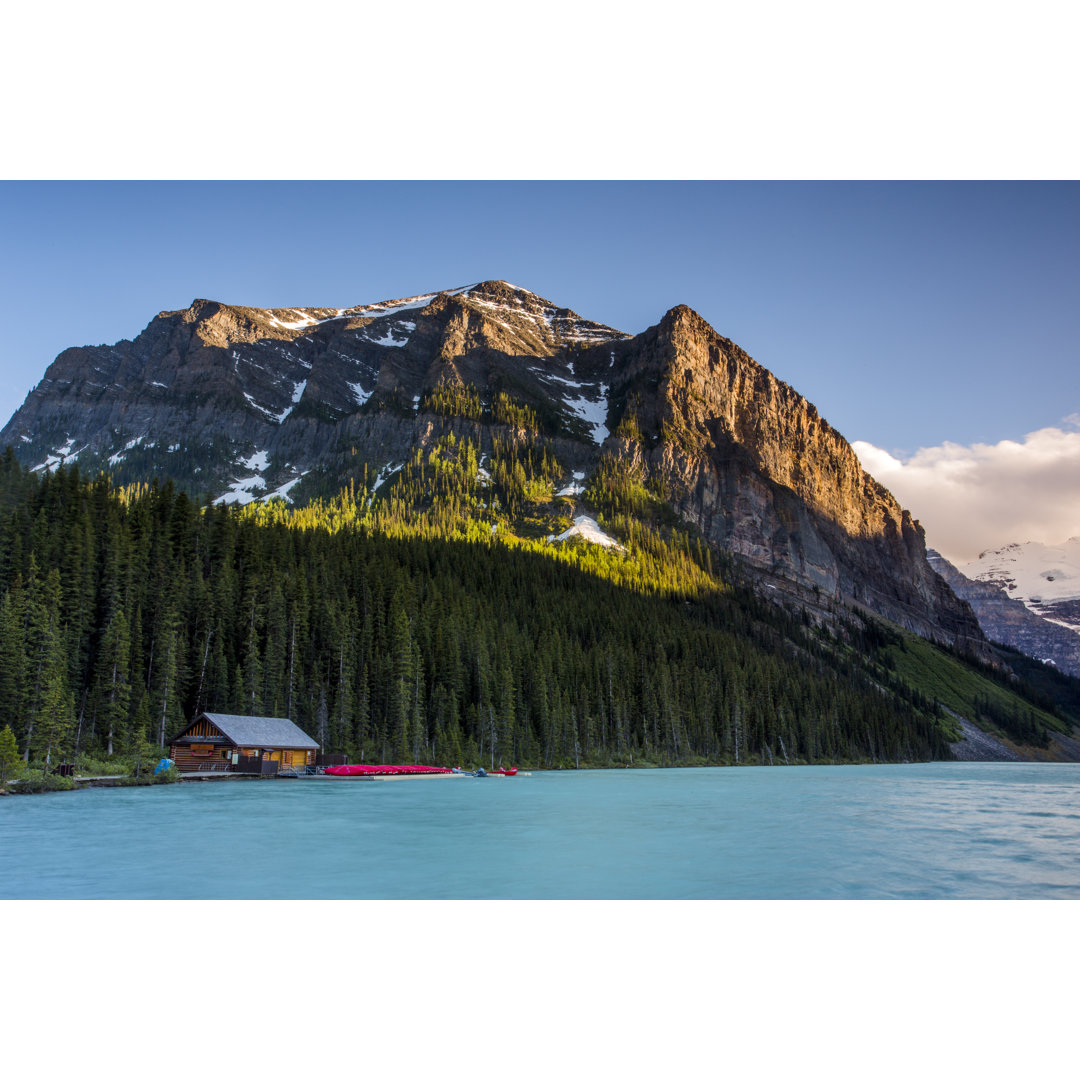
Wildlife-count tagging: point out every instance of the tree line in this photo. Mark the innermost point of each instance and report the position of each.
(408, 629)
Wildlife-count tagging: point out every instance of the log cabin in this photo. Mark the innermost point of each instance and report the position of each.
(248, 744)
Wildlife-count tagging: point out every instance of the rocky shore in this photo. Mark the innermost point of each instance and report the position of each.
(977, 745)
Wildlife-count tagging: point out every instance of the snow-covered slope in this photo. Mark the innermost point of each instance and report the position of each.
(1010, 621)
(1044, 577)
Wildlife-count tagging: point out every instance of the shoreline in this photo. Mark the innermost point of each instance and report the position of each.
(83, 783)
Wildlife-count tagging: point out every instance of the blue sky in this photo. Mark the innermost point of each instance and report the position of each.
(909, 313)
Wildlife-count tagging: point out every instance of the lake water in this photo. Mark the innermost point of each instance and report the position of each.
(969, 830)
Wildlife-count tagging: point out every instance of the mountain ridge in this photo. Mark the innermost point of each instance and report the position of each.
(236, 403)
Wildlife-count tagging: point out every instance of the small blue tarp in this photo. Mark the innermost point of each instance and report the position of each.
(162, 765)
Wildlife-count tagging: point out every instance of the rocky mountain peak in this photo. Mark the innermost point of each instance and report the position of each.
(684, 317)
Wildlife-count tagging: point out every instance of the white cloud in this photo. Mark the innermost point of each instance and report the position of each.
(970, 498)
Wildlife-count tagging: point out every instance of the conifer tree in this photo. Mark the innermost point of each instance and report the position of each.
(252, 674)
(164, 688)
(400, 689)
(12, 656)
(9, 753)
(137, 746)
(113, 688)
(55, 722)
(46, 661)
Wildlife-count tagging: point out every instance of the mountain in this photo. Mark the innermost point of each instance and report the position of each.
(1044, 578)
(1010, 620)
(243, 402)
(500, 531)
(237, 403)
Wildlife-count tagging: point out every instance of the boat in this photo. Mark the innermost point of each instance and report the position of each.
(361, 771)
(386, 770)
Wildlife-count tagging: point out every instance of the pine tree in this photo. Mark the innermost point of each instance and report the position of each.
(252, 674)
(46, 662)
(9, 753)
(400, 690)
(113, 688)
(12, 656)
(55, 723)
(164, 688)
(322, 715)
(137, 746)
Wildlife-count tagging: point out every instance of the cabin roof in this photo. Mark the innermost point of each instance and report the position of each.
(270, 732)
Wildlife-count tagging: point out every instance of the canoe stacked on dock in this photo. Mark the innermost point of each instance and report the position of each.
(384, 770)
(361, 771)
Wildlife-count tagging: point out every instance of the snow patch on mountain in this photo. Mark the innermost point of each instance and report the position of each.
(116, 458)
(242, 490)
(258, 462)
(245, 489)
(588, 529)
(385, 473)
(391, 307)
(359, 393)
(59, 455)
(594, 413)
(283, 491)
(394, 336)
(560, 323)
(582, 405)
(575, 488)
(304, 322)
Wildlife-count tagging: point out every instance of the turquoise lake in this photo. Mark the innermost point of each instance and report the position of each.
(964, 830)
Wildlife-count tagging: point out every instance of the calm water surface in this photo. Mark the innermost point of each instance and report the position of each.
(888, 831)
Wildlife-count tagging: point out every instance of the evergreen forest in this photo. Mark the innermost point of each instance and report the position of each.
(435, 622)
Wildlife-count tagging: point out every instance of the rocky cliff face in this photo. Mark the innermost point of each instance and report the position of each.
(1009, 621)
(241, 403)
(752, 463)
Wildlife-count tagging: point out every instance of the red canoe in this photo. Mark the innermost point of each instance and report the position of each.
(383, 770)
